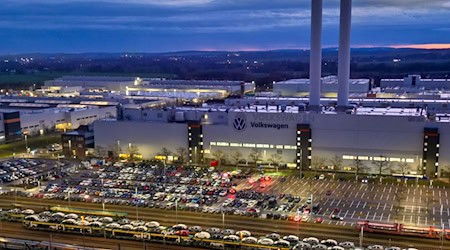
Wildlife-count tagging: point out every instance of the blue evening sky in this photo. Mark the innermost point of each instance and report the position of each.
(174, 25)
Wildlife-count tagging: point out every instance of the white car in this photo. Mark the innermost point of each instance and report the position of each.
(202, 235)
(152, 224)
(282, 243)
(329, 242)
(311, 240)
(375, 247)
(250, 240)
(320, 246)
(347, 244)
(265, 241)
(322, 177)
(273, 236)
(213, 230)
(180, 227)
(302, 246)
(291, 238)
(231, 238)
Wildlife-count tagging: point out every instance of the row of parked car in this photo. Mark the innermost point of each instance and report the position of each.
(198, 232)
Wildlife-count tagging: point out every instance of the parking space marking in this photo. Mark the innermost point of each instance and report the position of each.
(384, 208)
(374, 215)
(389, 217)
(353, 214)
(403, 218)
(352, 203)
(381, 217)
(367, 215)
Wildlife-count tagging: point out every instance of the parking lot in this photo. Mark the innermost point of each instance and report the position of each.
(29, 172)
(393, 203)
(240, 192)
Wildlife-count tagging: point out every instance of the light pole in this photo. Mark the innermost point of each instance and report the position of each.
(70, 148)
(103, 197)
(176, 210)
(68, 196)
(137, 203)
(361, 236)
(26, 143)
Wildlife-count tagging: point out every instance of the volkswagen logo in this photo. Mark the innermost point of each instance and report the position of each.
(239, 123)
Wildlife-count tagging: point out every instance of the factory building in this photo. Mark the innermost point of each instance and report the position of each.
(328, 85)
(9, 126)
(112, 83)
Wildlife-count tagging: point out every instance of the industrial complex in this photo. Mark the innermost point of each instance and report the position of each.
(324, 122)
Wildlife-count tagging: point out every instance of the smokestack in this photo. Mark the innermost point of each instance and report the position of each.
(315, 63)
(344, 53)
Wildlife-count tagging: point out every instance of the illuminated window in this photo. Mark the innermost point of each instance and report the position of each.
(212, 143)
(279, 146)
(411, 160)
(235, 145)
(262, 146)
(363, 158)
(249, 145)
(394, 159)
(348, 157)
(207, 151)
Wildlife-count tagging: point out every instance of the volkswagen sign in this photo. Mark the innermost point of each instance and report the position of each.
(239, 122)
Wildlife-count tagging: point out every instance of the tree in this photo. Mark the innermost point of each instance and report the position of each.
(382, 165)
(218, 156)
(275, 159)
(133, 151)
(236, 157)
(100, 151)
(336, 162)
(403, 167)
(166, 153)
(255, 156)
(182, 154)
(317, 162)
(359, 167)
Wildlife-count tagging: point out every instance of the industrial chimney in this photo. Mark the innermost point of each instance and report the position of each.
(344, 53)
(315, 63)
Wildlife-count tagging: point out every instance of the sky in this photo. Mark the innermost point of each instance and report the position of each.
(75, 26)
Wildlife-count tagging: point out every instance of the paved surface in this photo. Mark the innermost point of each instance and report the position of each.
(257, 226)
(400, 203)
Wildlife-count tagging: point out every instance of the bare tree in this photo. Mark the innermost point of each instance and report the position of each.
(182, 154)
(218, 156)
(275, 159)
(133, 152)
(359, 167)
(236, 156)
(336, 162)
(255, 156)
(317, 162)
(100, 151)
(382, 165)
(166, 153)
(403, 167)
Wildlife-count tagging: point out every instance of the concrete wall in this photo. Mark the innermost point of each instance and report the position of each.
(149, 137)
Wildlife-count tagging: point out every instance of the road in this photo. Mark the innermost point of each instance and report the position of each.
(257, 226)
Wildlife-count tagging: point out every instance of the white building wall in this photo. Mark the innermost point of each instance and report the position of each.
(37, 123)
(88, 116)
(149, 137)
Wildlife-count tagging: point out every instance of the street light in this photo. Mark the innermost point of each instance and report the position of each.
(176, 211)
(137, 203)
(26, 143)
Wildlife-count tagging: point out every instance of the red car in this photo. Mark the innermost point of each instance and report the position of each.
(328, 193)
(318, 220)
(182, 233)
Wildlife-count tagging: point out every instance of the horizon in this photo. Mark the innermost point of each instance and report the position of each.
(406, 46)
(152, 26)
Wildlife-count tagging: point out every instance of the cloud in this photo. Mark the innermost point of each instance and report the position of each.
(285, 22)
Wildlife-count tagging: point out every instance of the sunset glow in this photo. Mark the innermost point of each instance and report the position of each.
(424, 46)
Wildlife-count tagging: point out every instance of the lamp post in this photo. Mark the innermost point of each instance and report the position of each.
(26, 143)
(176, 211)
(137, 203)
